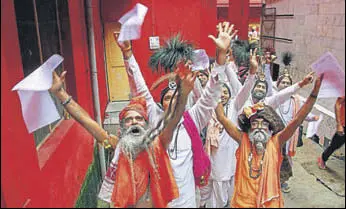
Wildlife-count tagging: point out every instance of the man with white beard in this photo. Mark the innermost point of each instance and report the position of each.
(180, 150)
(140, 174)
(259, 156)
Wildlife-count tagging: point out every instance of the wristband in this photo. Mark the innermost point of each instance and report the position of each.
(313, 96)
(68, 100)
(127, 49)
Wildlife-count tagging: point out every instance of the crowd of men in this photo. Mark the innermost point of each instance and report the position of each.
(214, 139)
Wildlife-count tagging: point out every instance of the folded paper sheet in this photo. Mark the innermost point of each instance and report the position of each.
(200, 60)
(333, 84)
(38, 107)
(131, 23)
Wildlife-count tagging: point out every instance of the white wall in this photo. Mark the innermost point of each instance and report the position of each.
(317, 26)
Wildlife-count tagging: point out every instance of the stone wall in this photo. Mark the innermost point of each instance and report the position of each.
(318, 26)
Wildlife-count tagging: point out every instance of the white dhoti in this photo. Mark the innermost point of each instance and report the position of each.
(217, 194)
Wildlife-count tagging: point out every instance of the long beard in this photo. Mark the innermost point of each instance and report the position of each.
(259, 138)
(259, 95)
(133, 140)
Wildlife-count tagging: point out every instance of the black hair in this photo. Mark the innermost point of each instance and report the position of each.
(163, 93)
(260, 81)
(228, 89)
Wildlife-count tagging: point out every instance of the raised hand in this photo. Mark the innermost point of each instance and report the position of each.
(223, 41)
(307, 79)
(124, 46)
(253, 62)
(318, 83)
(186, 79)
(58, 82)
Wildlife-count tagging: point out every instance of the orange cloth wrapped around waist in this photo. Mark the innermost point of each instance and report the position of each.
(128, 191)
(265, 190)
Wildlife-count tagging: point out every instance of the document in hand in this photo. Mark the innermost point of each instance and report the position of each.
(131, 23)
(38, 107)
(200, 60)
(333, 84)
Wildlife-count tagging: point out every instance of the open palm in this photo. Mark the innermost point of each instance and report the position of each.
(223, 41)
(253, 61)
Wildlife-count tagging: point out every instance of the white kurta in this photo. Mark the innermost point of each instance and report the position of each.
(286, 112)
(200, 113)
(276, 99)
(220, 188)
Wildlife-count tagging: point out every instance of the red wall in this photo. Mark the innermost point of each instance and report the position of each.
(53, 175)
(238, 14)
(195, 20)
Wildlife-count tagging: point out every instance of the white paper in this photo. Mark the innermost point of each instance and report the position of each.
(38, 107)
(333, 84)
(131, 23)
(200, 60)
(313, 127)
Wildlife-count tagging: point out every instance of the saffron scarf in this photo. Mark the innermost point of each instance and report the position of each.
(294, 139)
(131, 184)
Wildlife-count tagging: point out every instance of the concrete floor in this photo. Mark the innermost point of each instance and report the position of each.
(312, 187)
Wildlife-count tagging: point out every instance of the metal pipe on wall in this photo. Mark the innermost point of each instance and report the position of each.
(95, 86)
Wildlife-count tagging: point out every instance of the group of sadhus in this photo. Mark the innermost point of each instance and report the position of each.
(243, 134)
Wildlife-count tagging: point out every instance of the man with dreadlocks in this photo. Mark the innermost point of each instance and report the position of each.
(142, 163)
(259, 157)
(181, 148)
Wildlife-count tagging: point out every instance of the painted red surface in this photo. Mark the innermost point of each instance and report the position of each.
(195, 20)
(238, 14)
(53, 175)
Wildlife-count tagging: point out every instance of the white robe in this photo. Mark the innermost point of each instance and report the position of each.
(220, 188)
(200, 113)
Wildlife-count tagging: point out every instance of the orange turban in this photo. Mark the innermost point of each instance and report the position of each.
(137, 104)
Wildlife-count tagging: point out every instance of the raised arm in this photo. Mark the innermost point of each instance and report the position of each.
(269, 79)
(79, 114)
(202, 111)
(286, 134)
(136, 80)
(245, 91)
(233, 78)
(230, 127)
(185, 87)
(283, 95)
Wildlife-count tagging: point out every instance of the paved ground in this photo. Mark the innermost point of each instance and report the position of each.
(312, 187)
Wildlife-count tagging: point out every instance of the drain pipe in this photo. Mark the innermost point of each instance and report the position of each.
(95, 86)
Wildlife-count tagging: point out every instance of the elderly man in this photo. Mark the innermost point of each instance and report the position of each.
(263, 86)
(259, 157)
(142, 161)
(180, 149)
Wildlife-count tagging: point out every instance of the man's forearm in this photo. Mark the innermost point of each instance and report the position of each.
(82, 117)
(167, 133)
(221, 57)
(127, 54)
(297, 120)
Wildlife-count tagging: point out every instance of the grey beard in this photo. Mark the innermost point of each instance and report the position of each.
(258, 95)
(259, 138)
(133, 140)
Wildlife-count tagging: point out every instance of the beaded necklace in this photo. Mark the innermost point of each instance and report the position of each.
(251, 170)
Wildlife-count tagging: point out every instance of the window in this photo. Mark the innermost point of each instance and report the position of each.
(43, 30)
